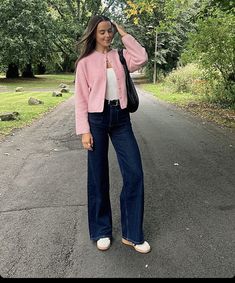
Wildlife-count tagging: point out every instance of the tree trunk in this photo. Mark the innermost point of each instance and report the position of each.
(12, 71)
(41, 69)
(65, 64)
(28, 72)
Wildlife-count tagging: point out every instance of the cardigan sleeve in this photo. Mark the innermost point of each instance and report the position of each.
(81, 100)
(135, 54)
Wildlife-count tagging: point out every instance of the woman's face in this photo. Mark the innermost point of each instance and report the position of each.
(104, 34)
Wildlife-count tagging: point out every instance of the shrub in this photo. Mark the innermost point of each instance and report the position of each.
(212, 46)
(187, 79)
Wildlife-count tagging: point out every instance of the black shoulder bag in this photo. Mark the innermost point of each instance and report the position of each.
(132, 95)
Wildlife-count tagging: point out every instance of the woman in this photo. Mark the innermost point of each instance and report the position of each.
(101, 113)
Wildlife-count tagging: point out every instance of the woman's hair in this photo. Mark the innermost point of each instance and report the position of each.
(88, 40)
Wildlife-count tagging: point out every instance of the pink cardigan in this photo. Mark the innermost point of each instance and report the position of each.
(90, 80)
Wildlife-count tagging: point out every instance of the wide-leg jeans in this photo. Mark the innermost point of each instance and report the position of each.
(114, 123)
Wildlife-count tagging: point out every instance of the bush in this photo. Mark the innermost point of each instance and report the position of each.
(223, 94)
(212, 46)
(187, 79)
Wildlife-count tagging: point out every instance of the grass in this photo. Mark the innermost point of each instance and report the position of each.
(164, 93)
(41, 88)
(193, 103)
(39, 82)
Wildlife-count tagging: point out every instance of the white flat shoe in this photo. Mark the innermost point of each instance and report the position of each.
(103, 244)
(141, 248)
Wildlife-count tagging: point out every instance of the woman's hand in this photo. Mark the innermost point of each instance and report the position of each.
(120, 29)
(87, 141)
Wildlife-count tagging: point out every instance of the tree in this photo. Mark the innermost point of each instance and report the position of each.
(171, 20)
(71, 18)
(213, 47)
(26, 32)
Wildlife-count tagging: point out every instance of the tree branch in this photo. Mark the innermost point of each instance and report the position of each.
(78, 9)
(53, 5)
(71, 8)
(66, 50)
(107, 7)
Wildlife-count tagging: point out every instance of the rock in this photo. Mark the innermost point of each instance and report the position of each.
(34, 101)
(9, 116)
(65, 90)
(19, 89)
(57, 93)
(63, 86)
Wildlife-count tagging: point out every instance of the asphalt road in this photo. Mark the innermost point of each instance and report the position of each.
(189, 168)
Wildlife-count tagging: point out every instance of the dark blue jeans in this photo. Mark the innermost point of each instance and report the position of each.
(114, 122)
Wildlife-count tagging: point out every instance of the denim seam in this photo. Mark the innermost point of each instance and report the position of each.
(110, 116)
(127, 222)
(124, 189)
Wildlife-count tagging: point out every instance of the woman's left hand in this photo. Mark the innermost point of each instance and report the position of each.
(120, 29)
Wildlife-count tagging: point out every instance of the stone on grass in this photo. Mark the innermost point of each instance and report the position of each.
(63, 86)
(34, 101)
(57, 93)
(65, 90)
(9, 116)
(19, 89)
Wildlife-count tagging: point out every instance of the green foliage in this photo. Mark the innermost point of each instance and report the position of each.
(25, 31)
(222, 93)
(208, 7)
(45, 31)
(187, 79)
(171, 20)
(70, 19)
(213, 47)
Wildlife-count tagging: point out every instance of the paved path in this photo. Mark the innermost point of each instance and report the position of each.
(189, 200)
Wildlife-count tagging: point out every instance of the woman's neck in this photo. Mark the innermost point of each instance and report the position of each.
(102, 49)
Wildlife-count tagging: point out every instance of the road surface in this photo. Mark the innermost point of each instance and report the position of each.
(189, 199)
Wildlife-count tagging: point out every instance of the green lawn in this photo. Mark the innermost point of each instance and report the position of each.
(198, 105)
(41, 88)
(163, 93)
(39, 82)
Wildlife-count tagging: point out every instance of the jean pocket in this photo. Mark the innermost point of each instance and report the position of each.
(123, 115)
(96, 118)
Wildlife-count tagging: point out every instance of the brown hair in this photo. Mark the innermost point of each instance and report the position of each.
(88, 41)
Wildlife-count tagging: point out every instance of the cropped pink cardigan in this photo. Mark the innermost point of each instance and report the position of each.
(90, 80)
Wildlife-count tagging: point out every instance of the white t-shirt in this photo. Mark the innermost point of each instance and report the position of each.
(111, 85)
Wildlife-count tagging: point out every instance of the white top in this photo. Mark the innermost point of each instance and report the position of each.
(111, 85)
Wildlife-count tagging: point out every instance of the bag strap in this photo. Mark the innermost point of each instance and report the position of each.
(122, 59)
